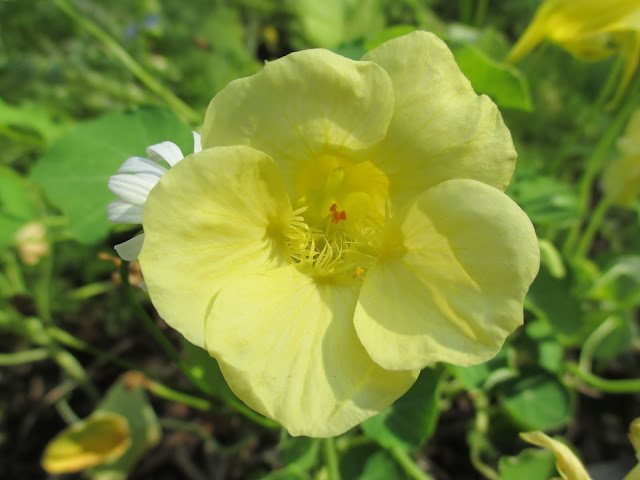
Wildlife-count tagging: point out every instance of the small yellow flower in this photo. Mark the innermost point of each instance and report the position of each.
(568, 465)
(344, 226)
(589, 29)
(101, 438)
(621, 178)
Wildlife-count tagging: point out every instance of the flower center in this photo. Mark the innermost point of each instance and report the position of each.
(339, 218)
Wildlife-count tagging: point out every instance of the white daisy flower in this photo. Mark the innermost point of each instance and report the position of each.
(133, 182)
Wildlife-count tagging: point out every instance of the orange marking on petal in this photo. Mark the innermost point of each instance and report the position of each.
(343, 215)
(333, 208)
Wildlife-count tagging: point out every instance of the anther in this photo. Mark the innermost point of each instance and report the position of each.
(336, 216)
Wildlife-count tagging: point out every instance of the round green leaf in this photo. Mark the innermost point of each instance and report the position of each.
(75, 170)
(536, 400)
(410, 421)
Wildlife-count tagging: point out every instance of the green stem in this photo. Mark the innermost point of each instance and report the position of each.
(25, 356)
(584, 244)
(594, 164)
(481, 12)
(604, 385)
(148, 322)
(466, 10)
(595, 339)
(66, 412)
(407, 464)
(167, 393)
(331, 458)
(178, 106)
(91, 290)
(481, 428)
(576, 133)
(70, 341)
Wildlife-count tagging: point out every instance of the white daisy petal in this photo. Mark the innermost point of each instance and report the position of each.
(142, 165)
(133, 188)
(167, 151)
(124, 212)
(197, 144)
(130, 249)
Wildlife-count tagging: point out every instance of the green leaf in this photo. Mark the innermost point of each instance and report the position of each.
(17, 204)
(410, 421)
(75, 170)
(536, 400)
(504, 84)
(552, 300)
(128, 398)
(547, 200)
(475, 377)
(367, 462)
(32, 117)
(531, 463)
(205, 368)
(331, 23)
(299, 453)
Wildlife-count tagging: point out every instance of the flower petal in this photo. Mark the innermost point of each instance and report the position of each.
(124, 212)
(453, 281)
(287, 347)
(197, 142)
(130, 249)
(141, 165)
(300, 106)
(440, 128)
(133, 188)
(167, 151)
(219, 215)
(568, 465)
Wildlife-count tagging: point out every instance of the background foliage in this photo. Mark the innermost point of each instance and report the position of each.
(86, 84)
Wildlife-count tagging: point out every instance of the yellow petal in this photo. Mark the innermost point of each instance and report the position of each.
(440, 128)
(570, 21)
(301, 106)
(217, 214)
(96, 440)
(621, 180)
(451, 281)
(568, 465)
(287, 347)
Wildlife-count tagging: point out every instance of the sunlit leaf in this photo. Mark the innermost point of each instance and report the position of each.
(75, 170)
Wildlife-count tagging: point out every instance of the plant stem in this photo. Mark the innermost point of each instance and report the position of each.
(466, 10)
(476, 438)
(594, 164)
(178, 106)
(331, 458)
(407, 464)
(602, 384)
(584, 245)
(597, 106)
(25, 356)
(167, 393)
(481, 12)
(595, 339)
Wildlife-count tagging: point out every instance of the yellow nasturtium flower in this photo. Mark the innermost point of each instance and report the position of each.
(591, 30)
(621, 178)
(343, 227)
(568, 465)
